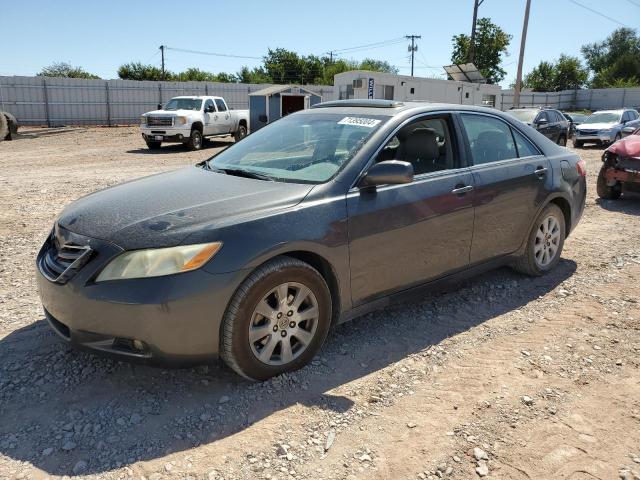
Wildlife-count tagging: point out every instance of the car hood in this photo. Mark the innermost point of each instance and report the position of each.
(162, 210)
(627, 147)
(171, 113)
(596, 126)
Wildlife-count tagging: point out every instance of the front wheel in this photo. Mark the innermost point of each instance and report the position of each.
(195, 140)
(277, 320)
(545, 242)
(577, 144)
(240, 133)
(562, 141)
(607, 192)
(152, 145)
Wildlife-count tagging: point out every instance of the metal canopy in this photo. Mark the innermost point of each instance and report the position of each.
(466, 72)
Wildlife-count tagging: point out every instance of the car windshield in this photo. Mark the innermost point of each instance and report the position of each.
(302, 148)
(578, 117)
(603, 117)
(183, 104)
(525, 116)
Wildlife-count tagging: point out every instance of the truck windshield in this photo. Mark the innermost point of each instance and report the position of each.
(183, 104)
(300, 148)
(603, 117)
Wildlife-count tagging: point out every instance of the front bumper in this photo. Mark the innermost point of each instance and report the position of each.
(592, 137)
(176, 318)
(167, 134)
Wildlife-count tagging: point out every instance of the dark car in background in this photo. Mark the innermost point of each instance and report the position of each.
(549, 122)
(575, 119)
(320, 217)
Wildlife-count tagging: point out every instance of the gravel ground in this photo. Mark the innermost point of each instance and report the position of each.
(503, 377)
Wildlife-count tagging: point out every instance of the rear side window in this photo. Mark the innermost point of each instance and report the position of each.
(490, 139)
(524, 146)
(221, 105)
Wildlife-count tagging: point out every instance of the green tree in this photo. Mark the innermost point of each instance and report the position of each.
(616, 60)
(491, 43)
(567, 73)
(195, 75)
(62, 69)
(253, 75)
(138, 71)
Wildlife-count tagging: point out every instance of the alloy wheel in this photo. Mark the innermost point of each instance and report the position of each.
(283, 323)
(547, 241)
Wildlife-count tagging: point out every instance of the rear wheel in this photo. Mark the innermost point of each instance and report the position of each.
(240, 133)
(577, 144)
(545, 243)
(277, 320)
(153, 145)
(195, 140)
(607, 192)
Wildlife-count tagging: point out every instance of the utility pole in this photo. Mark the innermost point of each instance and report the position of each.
(413, 48)
(472, 45)
(330, 56)
(523, 41)
(162, 54)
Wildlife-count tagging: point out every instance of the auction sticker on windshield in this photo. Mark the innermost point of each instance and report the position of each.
(359, 121)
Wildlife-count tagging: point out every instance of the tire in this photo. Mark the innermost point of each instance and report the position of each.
(531, 263)
(238, 350)
(605, 191)
(195, 140)
(153, 145)
(577, 144)
(562, 141)
(240, 133)
(4, 128)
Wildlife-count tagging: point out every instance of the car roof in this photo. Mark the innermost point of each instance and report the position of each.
(390, 108)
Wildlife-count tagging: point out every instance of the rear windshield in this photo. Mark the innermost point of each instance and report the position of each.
(603, 117)
(300, 148)
(525, 116)
(183, 104)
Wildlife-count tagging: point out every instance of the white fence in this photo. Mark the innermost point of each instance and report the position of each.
(589, 99)
(56, 101)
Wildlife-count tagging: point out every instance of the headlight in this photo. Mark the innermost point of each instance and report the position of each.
(182, 120)
(143, 120)
(156, 262)
(606, 131)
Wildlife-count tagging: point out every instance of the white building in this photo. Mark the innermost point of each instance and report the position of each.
(362, 84)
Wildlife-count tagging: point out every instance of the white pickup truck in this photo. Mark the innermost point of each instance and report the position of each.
(190, 119)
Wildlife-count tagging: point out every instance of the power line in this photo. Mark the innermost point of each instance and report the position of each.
(212, 54)
(367, 46)
(632, 2)
(597, 12)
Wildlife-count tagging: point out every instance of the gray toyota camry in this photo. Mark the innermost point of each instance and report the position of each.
(319, 217)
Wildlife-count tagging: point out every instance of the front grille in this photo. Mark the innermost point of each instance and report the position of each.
(59, 263)
(160, 121)
(588, 132)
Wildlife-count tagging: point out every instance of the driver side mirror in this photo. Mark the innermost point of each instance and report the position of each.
(389, 172)
(542, 121)
(159, 106)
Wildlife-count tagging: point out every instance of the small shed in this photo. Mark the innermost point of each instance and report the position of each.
(271, 103)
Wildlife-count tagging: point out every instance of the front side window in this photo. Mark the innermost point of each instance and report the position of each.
(490, 139)
(207, 106)
(300, 148)
(183, 104)
(222, 107)
(425, 143)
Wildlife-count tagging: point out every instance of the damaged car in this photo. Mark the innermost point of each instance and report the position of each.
(620, 168)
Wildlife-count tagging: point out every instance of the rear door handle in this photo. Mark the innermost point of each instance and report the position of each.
(540, 171)
(462, 190)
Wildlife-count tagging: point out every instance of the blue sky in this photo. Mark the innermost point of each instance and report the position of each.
(100, 36)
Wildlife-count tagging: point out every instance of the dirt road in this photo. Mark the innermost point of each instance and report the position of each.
(506, 377)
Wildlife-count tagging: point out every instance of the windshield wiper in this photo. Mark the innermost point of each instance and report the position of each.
(239, 172)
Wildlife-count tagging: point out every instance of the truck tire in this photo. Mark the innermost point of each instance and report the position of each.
(605, 191)
(240, 133)
(153, 145)
(195, 140)
(577, 144)
(4, 128)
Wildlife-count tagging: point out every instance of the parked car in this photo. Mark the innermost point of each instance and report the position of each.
(575, 119)
(317, 218)
(620, 170)
(605, 126)
(189, 120)
(549, 122)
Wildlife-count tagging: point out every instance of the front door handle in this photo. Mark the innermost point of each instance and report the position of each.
(215, 117)
(540, 171)
(462, 190)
